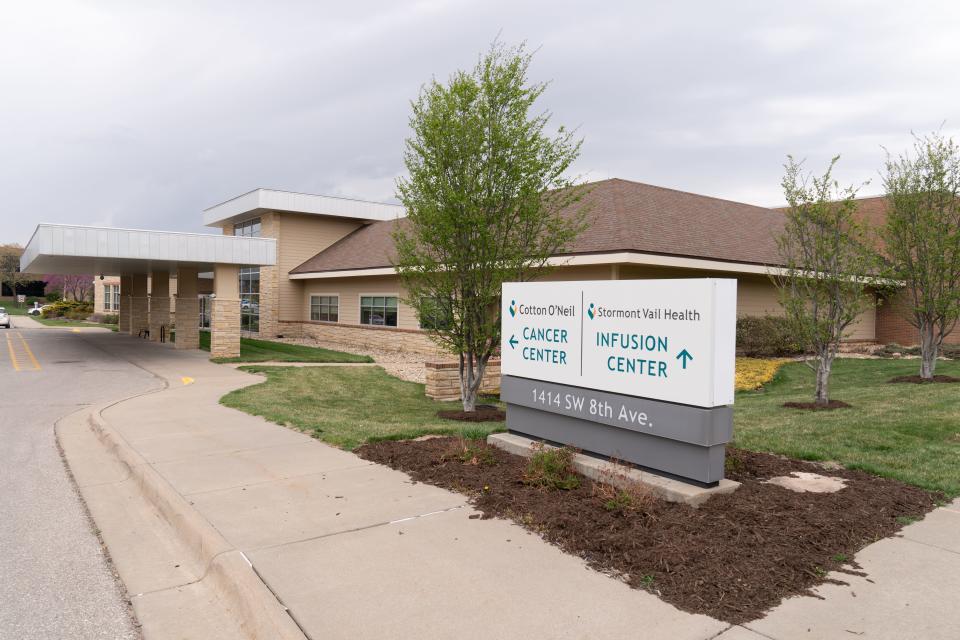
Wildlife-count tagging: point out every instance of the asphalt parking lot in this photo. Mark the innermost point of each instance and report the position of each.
(57, 581)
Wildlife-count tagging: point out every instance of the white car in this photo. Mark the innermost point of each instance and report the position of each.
(36, 309)
(4, 318)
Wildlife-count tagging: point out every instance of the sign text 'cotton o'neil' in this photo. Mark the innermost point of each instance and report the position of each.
(670, 340)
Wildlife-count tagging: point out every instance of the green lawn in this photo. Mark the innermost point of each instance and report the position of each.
(903, 431)
(347, 406)
(265, 350)
(14, 310)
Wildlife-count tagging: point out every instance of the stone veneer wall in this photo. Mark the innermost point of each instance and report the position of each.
(187, 313)
(159, 317)
(224, 328)
(383, 338)
(139, 314)
(124, 314)
(443, 379)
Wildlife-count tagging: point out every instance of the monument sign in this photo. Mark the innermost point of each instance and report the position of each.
(638, 370)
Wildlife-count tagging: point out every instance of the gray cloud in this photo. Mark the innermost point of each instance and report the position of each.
(142, 114)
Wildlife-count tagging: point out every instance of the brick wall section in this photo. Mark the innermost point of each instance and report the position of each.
(269, 307)
(139, 314)
(187, 314)
(892, 325)
(383, 338)
(159, 318)
(224, 328)
(124, 315)
(443, 379)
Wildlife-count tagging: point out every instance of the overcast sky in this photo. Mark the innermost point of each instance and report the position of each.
(141, 114)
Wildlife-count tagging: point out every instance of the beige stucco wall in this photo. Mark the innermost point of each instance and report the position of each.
(302, 237)
(299, 238)
(756, 294)
(350, 289)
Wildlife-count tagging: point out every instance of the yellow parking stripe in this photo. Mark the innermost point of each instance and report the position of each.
(13, 356)
(33, 358)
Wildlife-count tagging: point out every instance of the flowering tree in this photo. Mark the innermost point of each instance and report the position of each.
(71, 286)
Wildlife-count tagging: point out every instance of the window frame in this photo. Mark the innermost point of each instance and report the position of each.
(449, 322)
(360, 298)
(249, 223)
(310, 298)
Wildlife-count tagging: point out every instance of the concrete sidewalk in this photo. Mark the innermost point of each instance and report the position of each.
(356, 550)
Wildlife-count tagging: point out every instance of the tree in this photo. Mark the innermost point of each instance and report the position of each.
(10, 266)
(487, 203)
(827, 263)
(76, 287)
(922, 239)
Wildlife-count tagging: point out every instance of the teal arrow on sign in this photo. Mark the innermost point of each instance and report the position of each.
(685, 355)
(513, 341)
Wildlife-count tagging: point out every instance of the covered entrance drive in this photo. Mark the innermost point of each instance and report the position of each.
(134, 255)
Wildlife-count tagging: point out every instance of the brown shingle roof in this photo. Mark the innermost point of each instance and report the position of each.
(623, 216)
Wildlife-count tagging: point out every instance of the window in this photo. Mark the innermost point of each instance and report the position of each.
(111, 297)
(205, 311)
(249, 281)
(325, 308)
(435, 313)
(249, 228)
(378, 310)
(250, 299)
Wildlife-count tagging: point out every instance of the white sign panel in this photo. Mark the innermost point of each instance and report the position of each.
(671, 340)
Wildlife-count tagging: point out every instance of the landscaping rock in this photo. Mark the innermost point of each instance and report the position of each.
(806, 482)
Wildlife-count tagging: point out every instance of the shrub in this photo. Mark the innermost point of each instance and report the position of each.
(620, 492)
(470, 452)
(551, 468)
(766, 337)
(105, 318)
(53, 296)
(753, 373)
(73, 309)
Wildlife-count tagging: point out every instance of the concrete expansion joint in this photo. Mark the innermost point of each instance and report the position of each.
(752, 630)
(907, 537)
(375, 525)
(263, 482)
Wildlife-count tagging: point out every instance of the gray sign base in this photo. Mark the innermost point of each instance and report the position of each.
(677, 441)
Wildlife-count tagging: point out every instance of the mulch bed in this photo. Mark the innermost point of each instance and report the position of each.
(482, 413)
(733, 558)
(915, 379)
(830, 406)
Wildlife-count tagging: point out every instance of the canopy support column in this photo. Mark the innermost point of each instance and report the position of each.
(225, 312)
(187, 309)
(159, 305)
(139, 304)
(123, 312)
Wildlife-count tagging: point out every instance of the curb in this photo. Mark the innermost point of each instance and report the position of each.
(232, 576)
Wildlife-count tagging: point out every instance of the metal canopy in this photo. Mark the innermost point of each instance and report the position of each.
(72, 249)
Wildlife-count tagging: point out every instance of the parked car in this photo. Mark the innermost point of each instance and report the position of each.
(4, 318)
(36, 309)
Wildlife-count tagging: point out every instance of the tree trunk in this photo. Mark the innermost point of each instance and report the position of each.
(467, 388)
(822, 394)
(928, 351)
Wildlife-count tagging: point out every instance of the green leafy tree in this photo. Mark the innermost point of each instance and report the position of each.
(922, 239)
(10, 266)
(487, 203)
(827, 263)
